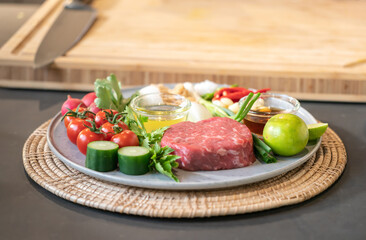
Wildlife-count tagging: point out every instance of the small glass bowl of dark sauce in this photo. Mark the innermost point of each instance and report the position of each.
(268, 105)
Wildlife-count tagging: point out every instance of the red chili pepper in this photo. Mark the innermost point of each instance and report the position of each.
(218, 93)
(263, 90)
(236, 89)
(235, 93)
(229, 90)
(236, 96)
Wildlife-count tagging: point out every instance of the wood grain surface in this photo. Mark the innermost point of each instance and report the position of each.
(309, 48)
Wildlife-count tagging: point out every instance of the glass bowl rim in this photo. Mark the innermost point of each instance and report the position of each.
(293, 101)
(182, 109)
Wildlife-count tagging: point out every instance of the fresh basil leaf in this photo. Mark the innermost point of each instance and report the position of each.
(145, 143)
(156, 148)
(167, 150)
(166, 170)
(172, 158)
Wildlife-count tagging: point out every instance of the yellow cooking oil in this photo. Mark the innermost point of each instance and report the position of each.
(161, 116)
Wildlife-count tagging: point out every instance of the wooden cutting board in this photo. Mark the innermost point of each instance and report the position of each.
(312, 50)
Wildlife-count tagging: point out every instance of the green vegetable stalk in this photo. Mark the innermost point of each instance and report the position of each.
(261, 150)
(246, 106)
(263, 154)
(109, 94)
(208, 96)
(215, 110)
(260, 143)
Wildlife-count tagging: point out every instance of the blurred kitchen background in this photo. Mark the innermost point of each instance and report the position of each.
(309, 50)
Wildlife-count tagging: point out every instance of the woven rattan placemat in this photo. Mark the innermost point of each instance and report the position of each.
(298, 185)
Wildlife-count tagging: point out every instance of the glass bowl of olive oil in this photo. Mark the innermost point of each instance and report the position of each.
(268, 105)
(162, 109)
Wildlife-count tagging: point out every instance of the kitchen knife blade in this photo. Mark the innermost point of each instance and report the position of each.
(70, 26)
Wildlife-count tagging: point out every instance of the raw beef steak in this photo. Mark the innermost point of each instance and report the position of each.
(212, 144)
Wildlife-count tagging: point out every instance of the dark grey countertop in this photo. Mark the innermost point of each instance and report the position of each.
(27, 211)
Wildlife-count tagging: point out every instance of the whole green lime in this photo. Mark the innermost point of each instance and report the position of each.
(287, 134)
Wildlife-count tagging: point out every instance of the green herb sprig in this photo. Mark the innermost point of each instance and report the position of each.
(161, 159)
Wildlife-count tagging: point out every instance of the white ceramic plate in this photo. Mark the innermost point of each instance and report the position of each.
(69, 154)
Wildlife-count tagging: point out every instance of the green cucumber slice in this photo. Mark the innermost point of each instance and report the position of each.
(133, 160)
(102, 156)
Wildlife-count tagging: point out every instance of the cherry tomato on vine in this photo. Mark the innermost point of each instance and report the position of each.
(81, 113)
(112, 129)
(123, 126)
(101, 117)
(67, 120)
(86, 136)
(125, 138)
(74, 128)
(108, 129)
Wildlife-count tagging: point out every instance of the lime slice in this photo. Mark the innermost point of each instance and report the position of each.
(316, 130)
